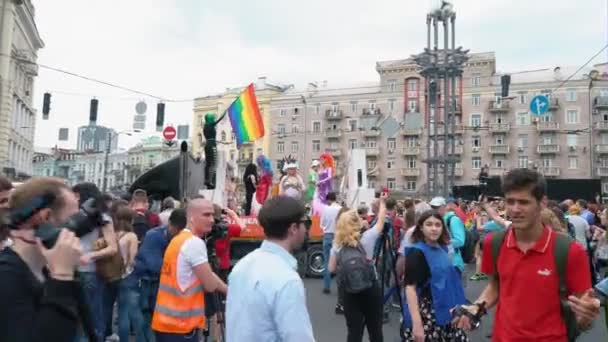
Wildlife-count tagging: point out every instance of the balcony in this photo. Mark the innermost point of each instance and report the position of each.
(410, 151)
(335, 152)
(458, 129)
(458, 172)
(547, 126)
(601, 126)
(372, 151)
(549, 171)
(547, 149)
(458, 150)
(602, 172)
(500, 128)
(497, 171)
(458, 110)
(410, 172)
(411, 131)
(368, 111)
(499, 149)
(332, 115)
(603, 149)
(499, 107)
(600, 102)
(333, 134)
(245, 161)
(554, 105)
(371, 133)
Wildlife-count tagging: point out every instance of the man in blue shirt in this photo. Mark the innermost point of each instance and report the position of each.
(149, 261)
(266, 297)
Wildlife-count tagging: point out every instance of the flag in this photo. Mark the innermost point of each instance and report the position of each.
(245, 117)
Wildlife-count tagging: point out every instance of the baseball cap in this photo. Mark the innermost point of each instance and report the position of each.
(437, 202)
(315, 163)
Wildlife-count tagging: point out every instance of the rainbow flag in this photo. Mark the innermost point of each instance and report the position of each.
(245, 117)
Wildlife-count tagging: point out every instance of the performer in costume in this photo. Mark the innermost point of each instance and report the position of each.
(250, 179)
(263, 188)
(210, 133)
(324, 184)
(291, 184)
(313, 176)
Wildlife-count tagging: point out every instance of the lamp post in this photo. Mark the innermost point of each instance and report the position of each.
(107, 154)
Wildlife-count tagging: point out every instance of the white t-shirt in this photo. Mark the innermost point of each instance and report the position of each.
(192, 254)
(368, 242)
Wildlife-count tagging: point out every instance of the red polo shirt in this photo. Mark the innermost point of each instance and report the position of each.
(222, 246)
(528, 307)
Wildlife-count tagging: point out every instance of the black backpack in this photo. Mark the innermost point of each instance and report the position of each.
(470, 241)
(355, 273)
(141, 225)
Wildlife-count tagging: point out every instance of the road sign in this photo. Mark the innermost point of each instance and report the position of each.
(141, 107)
(539, 105)
(169, 133)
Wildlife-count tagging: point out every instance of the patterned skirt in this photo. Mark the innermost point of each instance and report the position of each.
(432, 331)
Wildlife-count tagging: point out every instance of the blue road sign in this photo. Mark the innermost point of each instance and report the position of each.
(539, 105)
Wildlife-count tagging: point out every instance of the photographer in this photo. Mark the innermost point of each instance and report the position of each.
(179, 314)
(93, 283)
(233, 224)
(38, 305)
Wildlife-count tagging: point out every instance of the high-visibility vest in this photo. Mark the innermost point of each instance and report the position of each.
(177, 311)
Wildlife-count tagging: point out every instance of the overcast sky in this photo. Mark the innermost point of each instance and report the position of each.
(181, 49)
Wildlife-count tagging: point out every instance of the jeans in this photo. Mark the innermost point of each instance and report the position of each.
(110, 293)
(364, 310)
(93, 288)
(129, 310)
(328, 240)
(166, 337)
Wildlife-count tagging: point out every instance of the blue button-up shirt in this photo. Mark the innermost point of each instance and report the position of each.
(266, 298)
(149, 258)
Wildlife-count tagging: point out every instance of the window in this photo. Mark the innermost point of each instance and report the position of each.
(295, 147)
(294, 128)
(281, 147)
(412, 87)
(476, 120)
(476, 163)
(372, 107)
(390, 164)
(318, 108)
(391, 105)
(352, 144)
(573, 163)
(523, 98)
(500, 140)
(411, 141)
(476, 141)
(371, 143)
(316, 127)
(391, 144)
(392, 85)
(523, 119)
(295, 111)
(571, 95)
(353, 107)
(352, 125)
(476, 100)
(604, 138)
(548, 117)
(410, 185)
(316, 145)
(476, 79)
(259, 151)
(571, 116)
(522, 162)
(391, 183)
(547, 162)
(547, 93)
(371, 163)
(282, 112)
(522, 140)
(412, 106)
(499, 163)
(335, 107)
(223, 136)
(281, 129)
(410, 162)
(572, 140)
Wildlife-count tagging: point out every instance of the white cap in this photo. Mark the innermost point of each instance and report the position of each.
(315, 163)
(437, 202)
(290, 166)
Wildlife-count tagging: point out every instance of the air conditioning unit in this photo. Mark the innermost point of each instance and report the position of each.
(475, 149)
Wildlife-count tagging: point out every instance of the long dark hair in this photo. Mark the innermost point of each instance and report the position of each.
(123, 219)
(251, 169)
(418, 234)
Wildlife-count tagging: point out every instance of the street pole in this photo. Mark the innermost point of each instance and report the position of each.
(105, 163)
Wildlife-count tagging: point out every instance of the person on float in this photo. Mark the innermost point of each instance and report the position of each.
(292, 184)
(262, 190)
(324, 183)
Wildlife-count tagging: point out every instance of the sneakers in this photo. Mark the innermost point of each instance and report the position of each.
(478, 277)
(339, 309)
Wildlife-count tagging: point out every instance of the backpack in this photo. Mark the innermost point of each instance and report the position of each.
(561, 248)
(355, 273)
(109, 268)
(141, 225)
(470, 242)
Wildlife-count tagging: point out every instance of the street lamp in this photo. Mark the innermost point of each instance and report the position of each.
(107, 156)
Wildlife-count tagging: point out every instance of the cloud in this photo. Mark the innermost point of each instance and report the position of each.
(190, 48)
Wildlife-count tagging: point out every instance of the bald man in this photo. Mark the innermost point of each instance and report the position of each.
(186, 274)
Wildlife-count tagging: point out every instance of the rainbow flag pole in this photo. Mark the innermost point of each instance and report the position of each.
(245, 117)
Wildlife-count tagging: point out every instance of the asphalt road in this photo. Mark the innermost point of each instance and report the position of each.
(329, 327)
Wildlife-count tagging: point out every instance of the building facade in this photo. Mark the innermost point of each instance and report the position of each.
(93, 138)
(148, 153)
(19, 45)
(389, 121)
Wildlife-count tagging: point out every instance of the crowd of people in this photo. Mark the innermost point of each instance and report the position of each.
(166, 277)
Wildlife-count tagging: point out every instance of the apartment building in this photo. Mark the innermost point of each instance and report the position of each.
(388, 119)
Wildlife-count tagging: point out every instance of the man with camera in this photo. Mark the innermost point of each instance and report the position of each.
(37, 284)
(186, 275)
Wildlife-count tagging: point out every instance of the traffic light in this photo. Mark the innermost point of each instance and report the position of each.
(93, 111)
(160, 116)
(505, 81)
(46, 106)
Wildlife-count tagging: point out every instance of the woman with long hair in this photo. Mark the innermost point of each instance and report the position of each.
(432, 285)
(324, 183)
(363, 309)
(250, 179)
(128, 290)
(262, 190)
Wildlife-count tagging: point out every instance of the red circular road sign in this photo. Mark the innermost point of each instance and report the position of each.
(169, 133)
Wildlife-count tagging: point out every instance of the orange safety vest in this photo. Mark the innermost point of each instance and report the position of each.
(177, 311)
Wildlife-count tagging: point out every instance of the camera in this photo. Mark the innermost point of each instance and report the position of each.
(88, 218)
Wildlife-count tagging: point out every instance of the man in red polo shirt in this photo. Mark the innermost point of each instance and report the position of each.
(528, 294)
